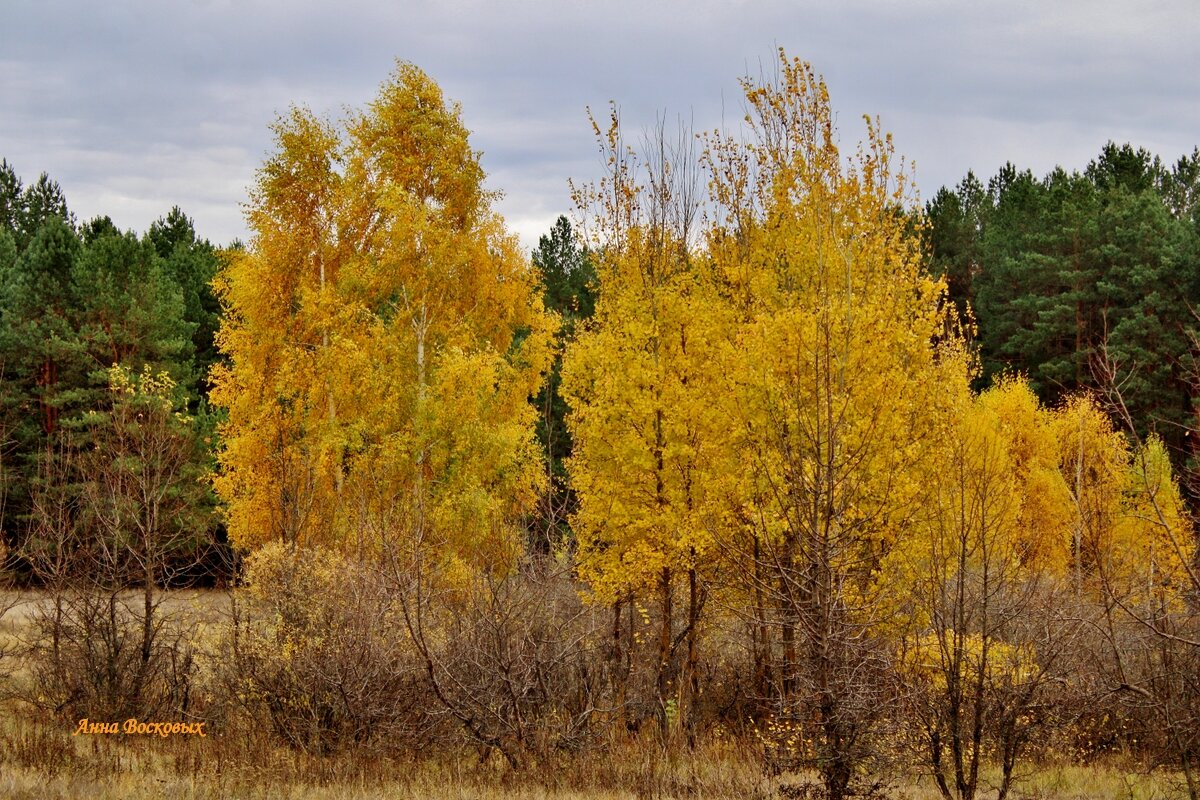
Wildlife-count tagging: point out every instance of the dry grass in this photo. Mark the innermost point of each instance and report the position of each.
(22, 784)
(44, 759)
(40, 758)
(1061, 782)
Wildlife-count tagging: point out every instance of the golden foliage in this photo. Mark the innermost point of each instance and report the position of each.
(384, 334)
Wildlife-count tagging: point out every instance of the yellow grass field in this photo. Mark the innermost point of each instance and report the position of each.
(42, 756)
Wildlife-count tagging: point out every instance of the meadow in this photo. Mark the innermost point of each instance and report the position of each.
(43, 756)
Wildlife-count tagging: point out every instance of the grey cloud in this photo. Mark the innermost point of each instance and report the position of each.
(140, 105)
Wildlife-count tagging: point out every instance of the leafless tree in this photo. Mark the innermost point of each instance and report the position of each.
(513, 658)
(1153, 646)
(118, 509)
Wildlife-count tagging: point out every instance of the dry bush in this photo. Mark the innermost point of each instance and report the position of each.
(1153, 675)
(90, 657)
(97, 647)
(327, 654)
(317, 652)
(516, 660)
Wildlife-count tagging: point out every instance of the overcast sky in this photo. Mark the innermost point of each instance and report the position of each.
(138, 105)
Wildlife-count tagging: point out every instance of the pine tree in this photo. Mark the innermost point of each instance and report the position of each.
(568, 280)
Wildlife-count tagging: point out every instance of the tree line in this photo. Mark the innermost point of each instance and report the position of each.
(758, 448)
(87, 311)
(1084, 281)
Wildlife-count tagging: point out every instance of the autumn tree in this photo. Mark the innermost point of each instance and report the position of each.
(842, 366)
(986, 631)
(639, 382)
(384, 336)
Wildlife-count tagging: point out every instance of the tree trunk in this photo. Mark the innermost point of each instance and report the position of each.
(691, 679)
(664, 647)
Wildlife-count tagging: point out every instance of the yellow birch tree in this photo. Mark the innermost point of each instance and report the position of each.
(973, 588)
(1046, 513)
(384, 334)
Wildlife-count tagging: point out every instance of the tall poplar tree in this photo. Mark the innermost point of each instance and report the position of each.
(843, 365)
(639, 382)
